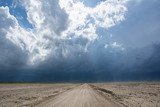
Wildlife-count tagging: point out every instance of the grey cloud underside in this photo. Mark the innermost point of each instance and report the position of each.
(102, 66)
(140, 60)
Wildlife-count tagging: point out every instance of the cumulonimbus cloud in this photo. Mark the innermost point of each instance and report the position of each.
(58, 26)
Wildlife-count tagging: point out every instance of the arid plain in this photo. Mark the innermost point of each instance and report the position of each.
(122, 94)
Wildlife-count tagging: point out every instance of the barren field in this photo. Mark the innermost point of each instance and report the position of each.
(144, 94)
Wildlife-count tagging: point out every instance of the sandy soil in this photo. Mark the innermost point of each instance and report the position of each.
(28, 95)
(81, 95)
(144, 94)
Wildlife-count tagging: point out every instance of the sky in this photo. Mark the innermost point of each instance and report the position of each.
(79, 40)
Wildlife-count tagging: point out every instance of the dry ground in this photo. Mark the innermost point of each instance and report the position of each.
(146, 94)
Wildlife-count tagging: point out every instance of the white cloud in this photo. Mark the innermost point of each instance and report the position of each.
(34, 12)
(31, 41)
(43, 39)
(63, 27)
(106, 14)
(6, 20)
(115, 45)
(106, 46)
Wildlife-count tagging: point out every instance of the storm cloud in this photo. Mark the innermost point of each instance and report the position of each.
(79, 40)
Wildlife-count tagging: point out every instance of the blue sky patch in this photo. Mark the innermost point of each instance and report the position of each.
(18, 11)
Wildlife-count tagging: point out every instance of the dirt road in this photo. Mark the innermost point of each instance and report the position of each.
(81, 96)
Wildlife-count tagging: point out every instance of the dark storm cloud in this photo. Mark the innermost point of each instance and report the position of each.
(104, 66)
(88, 68)
(12, 59)
(10, 56)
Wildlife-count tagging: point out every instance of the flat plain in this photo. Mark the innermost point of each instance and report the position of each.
(122, 94)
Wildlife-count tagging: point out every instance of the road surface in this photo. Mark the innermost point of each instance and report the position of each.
(81, 96)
